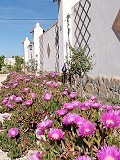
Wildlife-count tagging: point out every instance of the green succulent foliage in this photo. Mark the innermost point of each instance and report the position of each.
(80, 62)
(26, 118)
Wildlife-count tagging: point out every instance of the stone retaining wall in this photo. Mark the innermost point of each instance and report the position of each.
(108, 87)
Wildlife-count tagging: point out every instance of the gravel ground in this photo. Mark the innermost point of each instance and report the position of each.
(2, 78)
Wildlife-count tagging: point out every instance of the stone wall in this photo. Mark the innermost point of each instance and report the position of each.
(107, 87)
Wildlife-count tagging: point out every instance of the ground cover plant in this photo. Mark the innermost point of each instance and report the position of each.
(40, 113)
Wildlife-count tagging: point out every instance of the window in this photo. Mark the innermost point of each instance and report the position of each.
(48, 50)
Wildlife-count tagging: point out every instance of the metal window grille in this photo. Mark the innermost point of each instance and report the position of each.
(82, 22)
(41, 52)
(57, 48)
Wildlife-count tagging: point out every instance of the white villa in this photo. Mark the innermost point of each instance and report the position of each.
(95, 23)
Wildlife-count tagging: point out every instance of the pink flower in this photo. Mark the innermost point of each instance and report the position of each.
(61, 112)
(5, 100)
(44, 82)
(96, 105)
(33, 95)
(47, 96)
(108, 153)
(110, 119)
(55, 85)
(6, 115)
(18, 99)
(73, 94)
(12, 97)
(55, 134)
(65, 93)
(70, 118)
(49, 83)
(69, 106)
(14, 85)
(77, 103)
(13, 132)
(35, 156)
(107, 107)
(79, 121)
(26, 89)
(93, 98)
(6, 86)
(86, 129)
(28, 102)
(39, 132)
(45, 124)
(9, 105)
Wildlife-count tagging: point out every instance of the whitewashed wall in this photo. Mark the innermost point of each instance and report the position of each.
(64, 8)
(36, 32)
(26, 43)
(103, 42)
(48, 38)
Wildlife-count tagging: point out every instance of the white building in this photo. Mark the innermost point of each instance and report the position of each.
(9, 61)
(82, 22)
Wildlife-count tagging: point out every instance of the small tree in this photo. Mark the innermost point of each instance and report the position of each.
(80, 64)
(18, 63)
(1, 62)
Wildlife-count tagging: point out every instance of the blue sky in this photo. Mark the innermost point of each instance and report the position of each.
(12, 33)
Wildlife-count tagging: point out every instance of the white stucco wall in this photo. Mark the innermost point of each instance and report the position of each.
(49, 62)
(26, 43)
(64, 8)
(37, 31)
(103, 42)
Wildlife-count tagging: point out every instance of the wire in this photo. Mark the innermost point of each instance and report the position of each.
(27, 19)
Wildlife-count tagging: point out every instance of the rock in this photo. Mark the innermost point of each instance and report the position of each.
(89, 88)
(99, 80)
(102, 90)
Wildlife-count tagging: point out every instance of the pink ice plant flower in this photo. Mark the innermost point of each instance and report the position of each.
(65, 93)
(110, 119)
(86, 129)
(14, 85)
(96, 105)
(9, 105)
(107, 107)
(49, 83)
(93, 98)
(83, 158)
(77, 103)
(61, 112)
(73, 94)
(55, 85)
(18, 99)
(13, 132)
(108, 153)
(35, 156)
(79, 121)
(47, 96)
(12, 97)
(6, 115)
(33, 95)
(28, 102)
(55, 134)
(70, 118)
(69, 106)
(5, 100)
(44, 82)
(6, 86)
(39, 132)
(45, 124)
